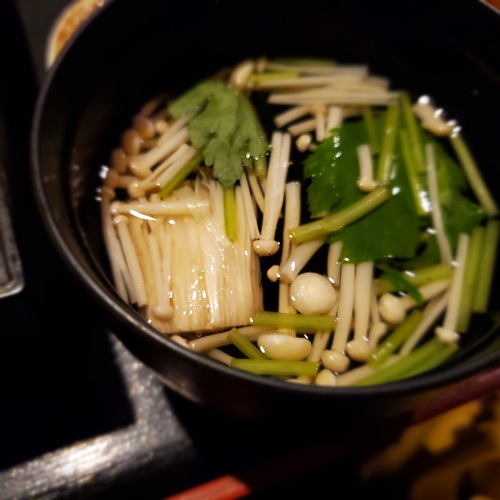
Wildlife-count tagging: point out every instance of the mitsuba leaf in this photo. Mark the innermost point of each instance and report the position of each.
(400, 283)
(391, 230)
(427, 254)
(332, 167)
(225, 125)
(460, 213)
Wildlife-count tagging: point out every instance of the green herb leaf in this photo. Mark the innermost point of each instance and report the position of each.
(389, 231)
(393, 229)
(326, 186)
(400, 283)
(225, 125)
(460, 213)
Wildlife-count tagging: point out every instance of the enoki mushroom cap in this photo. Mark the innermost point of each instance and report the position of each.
(335, 361)
(266, 247)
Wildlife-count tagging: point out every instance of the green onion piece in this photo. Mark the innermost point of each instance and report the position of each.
(387, 148)
(249, 349)
(414, 136)
(486, 267)
(333, 222)
(471, 274)
(304, 323)
(444, 353)
(427, 356)
(394, 340)
(182, 174)
(371, 130)
(417, 277)
(230, 213)
(474, 175)
(277, 367)
(420, 195)
(273, 75)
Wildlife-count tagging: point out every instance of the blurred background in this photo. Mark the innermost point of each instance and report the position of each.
(84, 419)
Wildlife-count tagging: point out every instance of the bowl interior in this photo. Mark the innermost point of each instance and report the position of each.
(113, 66)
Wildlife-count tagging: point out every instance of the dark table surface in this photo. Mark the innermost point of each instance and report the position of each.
(80, 417)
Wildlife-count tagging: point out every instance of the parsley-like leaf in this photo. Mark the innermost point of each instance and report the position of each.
(225, 125)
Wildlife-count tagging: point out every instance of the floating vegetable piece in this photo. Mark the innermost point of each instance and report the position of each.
(225, 126)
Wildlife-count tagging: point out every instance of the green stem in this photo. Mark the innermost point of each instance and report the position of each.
(277, 367)
(333, 222)
(182, 174)
(249, 349)
(471, 274)
(230, 213)
(486, 267)
(420, 195)
(304, 323)
(386, 158)
(474, 175)
(438, 358)
(417, 277)
(394, 340)
(414, 136)
(417, 361)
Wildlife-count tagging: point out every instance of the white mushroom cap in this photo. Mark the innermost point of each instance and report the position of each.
(266, 248)
(285, 347)
(312, 293)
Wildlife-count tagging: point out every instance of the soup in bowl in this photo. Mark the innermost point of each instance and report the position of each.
(273, 223)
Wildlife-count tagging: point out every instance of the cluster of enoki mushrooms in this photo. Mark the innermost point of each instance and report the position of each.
(188, 253)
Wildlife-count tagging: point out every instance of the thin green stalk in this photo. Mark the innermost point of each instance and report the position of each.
(249, 349)
(486, 267)
(412, 364)
(394, 340)
(333, 222)
(420, 195)
(414, 135)
(182, 174)
(230, 213)
(442, 355)
(474, 175)
(471, 274)
(387, 148)
(301, 322)
(417, 277)
(371, 129)
(277, 368)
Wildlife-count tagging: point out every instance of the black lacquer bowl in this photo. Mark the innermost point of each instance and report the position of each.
(128, 51)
